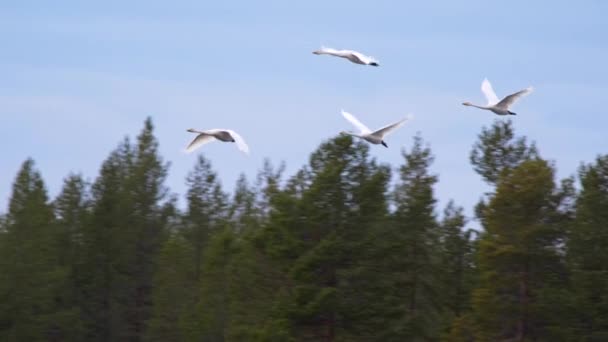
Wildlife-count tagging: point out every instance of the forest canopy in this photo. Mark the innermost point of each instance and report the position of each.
(345, 249)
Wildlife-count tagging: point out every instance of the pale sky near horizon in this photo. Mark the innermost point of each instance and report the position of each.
(79, 76)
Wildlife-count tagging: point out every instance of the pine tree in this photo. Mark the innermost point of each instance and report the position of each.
(519, 257)
(457, 263)
(328, 229)
(178, 289)
(243, 212)
(173, 291)
(106, 249)
(31, 278)
(72, 212)
(122, 242)
(587, 253)
(147, 225)
(207, 206)
(498, 150)
(411, 253)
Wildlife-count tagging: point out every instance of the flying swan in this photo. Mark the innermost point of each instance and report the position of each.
(353, 56)
(225, 135)
(376, 137)
(499, 107)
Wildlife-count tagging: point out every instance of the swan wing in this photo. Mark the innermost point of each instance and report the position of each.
(199, 141)
(353, 120)
(509, 100)
(326, 50)
(489, 93)
(363, 58)
(388, 129)
(240, 142)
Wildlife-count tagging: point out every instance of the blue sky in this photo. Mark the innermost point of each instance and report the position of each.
(78, 76)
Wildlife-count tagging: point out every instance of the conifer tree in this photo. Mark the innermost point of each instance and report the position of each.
(519, 256)
(106, 249)
(72, 213)
(178, 288)
(243, 211)
(457, 262)
(334, 217)
(173, 291)
(31, 278)
(588, 253)
(122, 242)
(412, 299)
(498, 150)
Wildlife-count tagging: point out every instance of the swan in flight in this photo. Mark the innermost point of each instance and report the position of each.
(225, 135)
(376, 137)
(500, 107)
(353, 56)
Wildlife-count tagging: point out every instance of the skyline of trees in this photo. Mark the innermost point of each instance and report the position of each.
(345, 249)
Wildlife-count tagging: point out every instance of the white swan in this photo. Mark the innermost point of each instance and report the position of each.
(353, 56)
(376, 137)
(499, 107)
(225, 135)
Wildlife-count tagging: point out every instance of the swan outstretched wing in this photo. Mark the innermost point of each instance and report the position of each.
(388, 129)
(199, 141)
(353, 120)
(509, 100)
(240, 142)
(487, 90)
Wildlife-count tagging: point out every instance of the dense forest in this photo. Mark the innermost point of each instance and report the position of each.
(346, 249)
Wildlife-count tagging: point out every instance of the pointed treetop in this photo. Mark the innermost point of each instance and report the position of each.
(28, 186)
(498, 151)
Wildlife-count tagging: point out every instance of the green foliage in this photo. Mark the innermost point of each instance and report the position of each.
(412, 253)
(327, 254)
(498, 151)
(31, 277)
(122, 241)
(519, 256)
(587, 253)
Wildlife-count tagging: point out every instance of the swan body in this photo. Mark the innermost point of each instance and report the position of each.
(353, 56)
(375, 137)
(225, 135)
(500, 107)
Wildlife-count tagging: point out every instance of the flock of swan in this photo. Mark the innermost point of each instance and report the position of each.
(499, 107)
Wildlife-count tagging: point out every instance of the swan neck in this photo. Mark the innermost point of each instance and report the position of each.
(481, 107)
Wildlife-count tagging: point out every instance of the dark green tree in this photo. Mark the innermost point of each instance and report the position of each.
(244, 212)
(123, 239)
(174, 291)
(178, 289)
(330, 229)
(498, 150)
(520, 263)
(71, 209)
(31, 278)
(412, 253)
(588, 253)
(457, 263)
(207, 210)
(105, 250)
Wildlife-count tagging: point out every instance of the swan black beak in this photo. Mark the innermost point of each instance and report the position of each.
(384, 144)
(511, 113)
(374, 64)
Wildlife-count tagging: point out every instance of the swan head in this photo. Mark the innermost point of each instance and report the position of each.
(192, 130)
(317, 52)
(467, 104)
